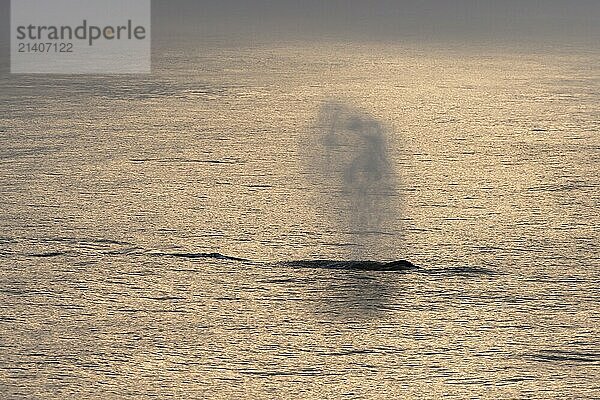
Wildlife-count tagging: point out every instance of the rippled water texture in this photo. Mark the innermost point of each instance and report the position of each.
(152, 228)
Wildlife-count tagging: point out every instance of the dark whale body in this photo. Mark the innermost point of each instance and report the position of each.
(400, 265)
(355, 265)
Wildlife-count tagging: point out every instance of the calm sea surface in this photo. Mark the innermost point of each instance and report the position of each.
(116, 191)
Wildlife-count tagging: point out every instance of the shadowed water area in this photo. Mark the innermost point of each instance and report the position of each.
(303, 221)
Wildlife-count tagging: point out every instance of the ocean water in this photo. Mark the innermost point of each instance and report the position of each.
(152, 227)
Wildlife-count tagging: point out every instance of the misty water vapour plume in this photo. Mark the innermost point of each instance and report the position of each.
(348, 155)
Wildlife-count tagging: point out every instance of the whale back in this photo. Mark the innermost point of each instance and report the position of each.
(357, 265)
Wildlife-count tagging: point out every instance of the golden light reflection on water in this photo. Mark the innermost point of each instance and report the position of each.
(497, 199)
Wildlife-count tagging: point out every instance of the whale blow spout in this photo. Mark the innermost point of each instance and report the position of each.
(399, 265)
